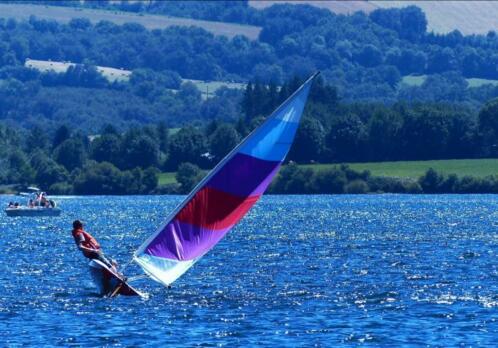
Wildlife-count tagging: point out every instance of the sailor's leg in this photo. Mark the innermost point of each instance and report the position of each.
(105, 260)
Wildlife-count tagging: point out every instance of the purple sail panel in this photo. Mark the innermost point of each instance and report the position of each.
(183, 241)
(244, 176)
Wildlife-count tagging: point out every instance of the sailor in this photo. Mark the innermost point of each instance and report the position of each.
(89, 245)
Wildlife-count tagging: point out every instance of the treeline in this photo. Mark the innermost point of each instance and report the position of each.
(341, 179)
(333, 131)
(330, 132)
(71, 163)
(364, 56)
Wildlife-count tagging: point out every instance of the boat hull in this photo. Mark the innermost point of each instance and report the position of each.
(107, 281)
(33, 211)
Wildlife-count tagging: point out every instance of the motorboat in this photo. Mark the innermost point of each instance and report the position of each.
(38, 205)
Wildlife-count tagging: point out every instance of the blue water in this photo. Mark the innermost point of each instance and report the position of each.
(385, 270)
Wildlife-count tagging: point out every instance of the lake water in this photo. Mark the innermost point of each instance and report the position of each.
(297, 271)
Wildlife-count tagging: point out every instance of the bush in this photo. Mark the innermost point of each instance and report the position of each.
(357, 187)
(329, 181)
(188, 176)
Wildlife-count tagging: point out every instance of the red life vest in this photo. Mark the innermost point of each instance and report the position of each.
(88, 242)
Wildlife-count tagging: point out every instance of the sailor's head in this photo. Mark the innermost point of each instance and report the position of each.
(77, 224)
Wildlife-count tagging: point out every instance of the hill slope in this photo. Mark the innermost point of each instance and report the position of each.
(65, 14)
(469, 17)
(342, 7)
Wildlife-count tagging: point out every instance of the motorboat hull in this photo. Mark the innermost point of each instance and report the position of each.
(35, 211)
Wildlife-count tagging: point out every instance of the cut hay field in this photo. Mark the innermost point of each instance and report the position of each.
(22, 11)
(207, 88)
(111, 74)
(402, 169)
(342, 7)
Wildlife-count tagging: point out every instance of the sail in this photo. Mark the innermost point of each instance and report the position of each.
(224, 196)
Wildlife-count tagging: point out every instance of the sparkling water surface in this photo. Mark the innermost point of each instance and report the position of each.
(383, 270)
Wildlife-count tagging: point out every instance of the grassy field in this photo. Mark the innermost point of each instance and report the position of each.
(414, 169)
(403, 169)
(208, 88)
(418, 80)
(65, 14)
(167, 178)
(412, 80)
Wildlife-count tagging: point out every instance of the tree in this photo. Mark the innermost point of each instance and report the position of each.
(409, 22)
(139, 150)
(223, 140)
(293, 180)
(49, 173)
(384, 131)
(188, 175)
(106, 148)
(71, 153)
(20, 169)
(187, 145)
(369, 56)
(431, 181)
(99, 179)
(150, 179)
(61, 134)
(329, 181)
(488, 128)
(309, 141)
(37, 139)
(413, 23)
(425, 134)
(346, 138)
(163, 137)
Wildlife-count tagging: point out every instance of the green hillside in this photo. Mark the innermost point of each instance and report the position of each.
(65, 14)
(469, 17)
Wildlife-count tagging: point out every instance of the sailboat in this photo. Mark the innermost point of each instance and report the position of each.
(222, 198)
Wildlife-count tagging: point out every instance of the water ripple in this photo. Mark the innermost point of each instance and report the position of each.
(384, 270)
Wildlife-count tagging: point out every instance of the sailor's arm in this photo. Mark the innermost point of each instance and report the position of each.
(82, 248)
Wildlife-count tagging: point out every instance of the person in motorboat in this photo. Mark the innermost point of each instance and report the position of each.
(89, 246)
(43, 200)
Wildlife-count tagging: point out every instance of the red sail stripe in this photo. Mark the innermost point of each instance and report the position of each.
(214, 209)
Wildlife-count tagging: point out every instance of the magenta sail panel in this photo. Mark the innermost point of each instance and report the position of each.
(224, 196)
